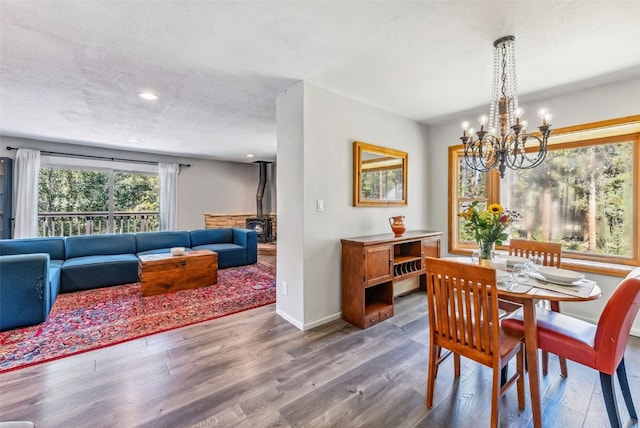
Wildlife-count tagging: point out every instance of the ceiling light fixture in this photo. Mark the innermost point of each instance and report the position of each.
(133, 140)
(148, 96)
(505, 143)
(249, 155)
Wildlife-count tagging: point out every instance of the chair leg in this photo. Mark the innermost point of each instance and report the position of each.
(555, 306)
(563, 366)
(545, 364)
(520, 381)
(495, 396)
(504, 374)
(626, 393)
(606, 381)
(434, 354)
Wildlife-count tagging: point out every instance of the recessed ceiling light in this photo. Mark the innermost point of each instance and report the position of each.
(133, 140)
(249, 155)
(148, 96)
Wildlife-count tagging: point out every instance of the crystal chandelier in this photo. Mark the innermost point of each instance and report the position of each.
(502, 140)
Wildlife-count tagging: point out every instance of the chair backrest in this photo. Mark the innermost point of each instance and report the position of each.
(463, 308)
(635, 273)
(614, 326)
(550, 252)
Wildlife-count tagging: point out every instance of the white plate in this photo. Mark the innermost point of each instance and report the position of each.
(513, 260)
(560, 275)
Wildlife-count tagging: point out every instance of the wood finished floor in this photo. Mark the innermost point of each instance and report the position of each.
(253, 369)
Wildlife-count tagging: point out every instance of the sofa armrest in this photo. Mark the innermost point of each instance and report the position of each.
(247, 238)
(24, 290)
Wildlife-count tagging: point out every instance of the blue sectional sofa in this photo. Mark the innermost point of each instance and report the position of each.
(34, 270)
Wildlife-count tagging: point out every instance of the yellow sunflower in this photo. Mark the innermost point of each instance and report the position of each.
(495, 209)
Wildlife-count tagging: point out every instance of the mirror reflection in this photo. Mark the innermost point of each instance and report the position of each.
(380, 175)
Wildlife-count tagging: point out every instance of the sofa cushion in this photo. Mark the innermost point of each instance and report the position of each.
(228, 254)
(210, 236)
(161, 242)
(95, 245)
(54, 246)
(83, 273)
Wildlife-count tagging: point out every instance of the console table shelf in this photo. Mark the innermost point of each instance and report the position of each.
(398, 260)
(377, 268)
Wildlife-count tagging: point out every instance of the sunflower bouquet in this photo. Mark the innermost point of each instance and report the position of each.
(488, 227)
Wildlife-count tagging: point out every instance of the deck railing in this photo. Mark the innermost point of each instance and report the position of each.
(97, 223)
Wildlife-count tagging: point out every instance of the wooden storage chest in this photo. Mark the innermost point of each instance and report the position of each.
(163, 273)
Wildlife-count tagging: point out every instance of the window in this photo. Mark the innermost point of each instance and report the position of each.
(585, 195)
(74, 201)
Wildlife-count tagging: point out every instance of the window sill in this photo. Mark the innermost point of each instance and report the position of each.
(611, 269)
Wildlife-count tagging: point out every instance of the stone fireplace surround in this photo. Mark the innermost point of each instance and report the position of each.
(215, 220)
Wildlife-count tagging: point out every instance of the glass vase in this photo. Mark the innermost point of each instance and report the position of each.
(487, 249)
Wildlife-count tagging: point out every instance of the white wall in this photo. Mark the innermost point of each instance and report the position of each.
(610, 101)
(316, 131)
(290, 134)
(207, 186)
(220, 187)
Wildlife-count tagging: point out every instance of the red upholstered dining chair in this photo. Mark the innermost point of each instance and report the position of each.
(550, 254)
(463, 318)
(600, 346)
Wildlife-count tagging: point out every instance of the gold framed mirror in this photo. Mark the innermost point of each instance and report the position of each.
(379, 176)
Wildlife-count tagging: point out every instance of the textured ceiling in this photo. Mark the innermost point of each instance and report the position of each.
(71, 71)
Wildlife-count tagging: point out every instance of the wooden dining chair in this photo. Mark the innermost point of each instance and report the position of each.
(600, 346)
(463, 318)
(550, 254)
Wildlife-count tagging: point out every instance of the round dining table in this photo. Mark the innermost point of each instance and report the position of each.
(528, 301)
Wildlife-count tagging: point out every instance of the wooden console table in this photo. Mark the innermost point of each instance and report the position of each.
(164, 273)
(377, 268)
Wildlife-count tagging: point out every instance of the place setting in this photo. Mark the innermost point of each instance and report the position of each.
(519, 275)
(551, 278)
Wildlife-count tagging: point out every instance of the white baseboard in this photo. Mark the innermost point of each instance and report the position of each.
(308, 326)
(322, 321)
(290, 319)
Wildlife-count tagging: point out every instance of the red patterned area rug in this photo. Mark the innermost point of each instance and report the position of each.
(88, 320)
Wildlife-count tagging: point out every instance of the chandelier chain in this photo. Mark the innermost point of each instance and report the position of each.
(504, 72)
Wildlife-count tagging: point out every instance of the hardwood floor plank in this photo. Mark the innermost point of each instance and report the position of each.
(570, 392)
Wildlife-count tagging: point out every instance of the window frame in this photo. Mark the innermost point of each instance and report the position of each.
(608, 131)
(110, 168)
